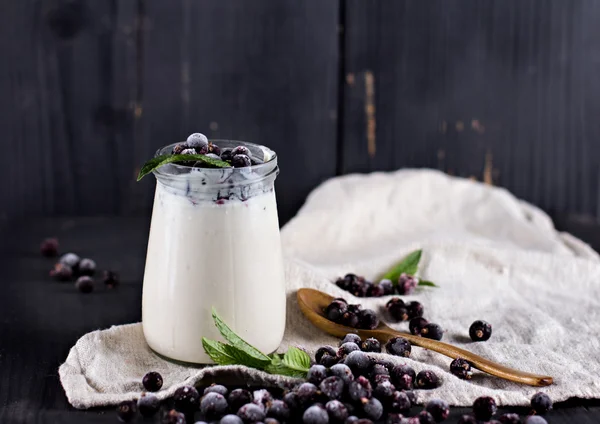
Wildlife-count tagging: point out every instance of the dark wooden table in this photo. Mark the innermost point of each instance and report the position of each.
(41, 319)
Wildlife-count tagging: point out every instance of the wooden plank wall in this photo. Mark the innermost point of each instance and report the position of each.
(504, 91)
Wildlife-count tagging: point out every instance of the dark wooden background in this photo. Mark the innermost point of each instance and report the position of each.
(505, 91)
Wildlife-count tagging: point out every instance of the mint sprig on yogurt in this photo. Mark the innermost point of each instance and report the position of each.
(294, 363)
(161, 160)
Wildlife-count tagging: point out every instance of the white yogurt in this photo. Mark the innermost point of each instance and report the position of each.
(206, 252)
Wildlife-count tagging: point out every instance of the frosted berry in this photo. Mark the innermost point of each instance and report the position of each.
(127, 410)
(238, 398)
(213, 405)
(406, 284)
(251, 413)
(438, 409)
(387, 286)
(367, 319)
(332, 387)
(535, 419)
(316, 414)
(372, 408)
(352, 420)
(278, 410)
(262, 398)
(342, 371)
(351, 337)
(378, 369)
(397, 309)
(316, 374)
(336, 410)
(292, 401)
(359, 362)
(541, 403)
(384, 391)
(399, 374)
(87, 267)
(346, 349)
(395, 418)
(84, 284)
(227, 419)
(415, 309)
(61, 272)
(467, 419)
(188, 152)
(178, 148)
(461, 368)
(241, 150)
(375, 290)
(326, 355)
(216, 388)
(227, 155)
(49, 247)
(336, 310)
(196, 140)
(152, 381)
(425, 417)
(510, 419)
(432, 331)
(371, 345)
(307, 393)
(186, 399)
(484, 408)
(240, 161)
(400, 403)
(360, 389)
(426, 380)
(398, 346)
(416, 325)
(214, 149)
(70, 259)
(173, 417)
(148, 404)
(480, 331)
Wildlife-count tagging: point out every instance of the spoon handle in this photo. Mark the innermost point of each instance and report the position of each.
(476, 361)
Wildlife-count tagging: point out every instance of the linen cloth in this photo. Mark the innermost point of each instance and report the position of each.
(493, 256)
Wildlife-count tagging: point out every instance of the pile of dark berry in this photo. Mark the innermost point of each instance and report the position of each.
(361, 287)
(70, 266)
(198, 144)
(345, 386)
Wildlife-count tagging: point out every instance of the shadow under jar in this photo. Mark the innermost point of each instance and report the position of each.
(214, 242)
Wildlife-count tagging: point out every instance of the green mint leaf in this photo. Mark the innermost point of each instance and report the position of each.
(217, 352)
(159, 161)
(278, 367)
(237, 342)
(296, 359)
(427, 283)
(408, 265)
(243, 358)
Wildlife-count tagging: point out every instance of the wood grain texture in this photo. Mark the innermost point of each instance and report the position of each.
(502, 91)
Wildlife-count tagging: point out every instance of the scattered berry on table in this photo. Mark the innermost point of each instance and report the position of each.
(186, 399)
(510, 419)
(403, 380)
(480, 331)
(367, 319)
(152, 381)
(380, 378)
(416, 325)
(541, 403)
(127, 410)
(400, 402)
(467, 419)
(394, 418)
(432, 331)
(372, 408)
(148, 404)
(438, 409)
(347, 348)
(484, 408)
(336, 310)
(49, 247)
(292, 401)
(342, 371)
(426, 380)
(316, 374)
(461, 368)
(307, 393)
(61, 272)
(426, 417)
(230, 419)
(352, 419)
(178, 148)
(87, 267)
(196, 140)
(251, 413)
(397, 309)
(216, 388)
(400, 370)
(70, 259)
(332, 387)
(384, 391)
(375, 290)
(316, 414)
(359, 362)
(326, 355)
(173, 417)
(406, 284)
(278, 410)
(85, 284)
(360, 389)
(238, 398)
(262, 398)
(398, 346)
(415, 309)
(111, 279)
(371, 345)
(240, 161)
(378, 369)
(535, 419)
(411, 396)
(352, 338)
(336, 410)
(387, 286)
(213, 405)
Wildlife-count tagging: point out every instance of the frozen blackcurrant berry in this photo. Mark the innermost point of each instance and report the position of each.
(354, 308)
(238, 398)
(384, 391)
(541, 403)
(337, 411)
(251, 413)
(178, 148)
(398, 371)
(188, 152)
(510, 419)
(127, 410)
(415, 309)
(398, 346)
(307, 393)
(87, 267)
(262, 398)
(216, 388)
(214, 149)
(371, 345)
(351, 337)
(85, 284)
(461, 368)
(468, 419)
(438, 409)
(359, 362)
(397, 309)
(213, 405)
(380, 378)
(196, 140)
(395, 418)
(61, 272)
(484, 408)
(535, 419)
(111, 279)
(406, 284)
(227, 155)
(316, 374)
(372, 408)
(228, 419)
(411, 396)
(425, 417)
(332, 387)
(342, 371)
(49, 247)
(186, 399)
(292, 401)
(346, 349)
(152, 381)
(351, 420)
(325, 351)
(387, 286)
(367, 319)
(173, 417)
(212, 156)
(357, 286)
(350, 319)
(375, 290)
(360, 389)
(378, 369)
(432, 331)
(279, 410)
(70, 259)
(416, 325)
(241, 150)
(240, 161)
(480, 331)
(399, 402)
(316, 414)
(148, 404)
(336, 310)
(426, 380)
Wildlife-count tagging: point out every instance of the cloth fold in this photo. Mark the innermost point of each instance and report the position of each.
(494, 257)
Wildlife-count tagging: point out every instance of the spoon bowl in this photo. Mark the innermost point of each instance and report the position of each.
(313, 303)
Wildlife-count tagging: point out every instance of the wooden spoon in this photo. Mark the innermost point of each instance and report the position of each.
(313, 303)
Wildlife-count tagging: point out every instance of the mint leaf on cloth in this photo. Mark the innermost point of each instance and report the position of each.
(408, 265)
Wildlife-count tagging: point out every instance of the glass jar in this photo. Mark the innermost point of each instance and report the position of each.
(214, 242)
